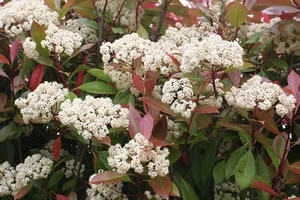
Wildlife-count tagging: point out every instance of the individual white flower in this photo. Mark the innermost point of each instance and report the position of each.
(60, 40)
(140, 155)
(179, 94)
(264, 95)
(93, 117)
(17, 16)
(29, 47)
(43, 102)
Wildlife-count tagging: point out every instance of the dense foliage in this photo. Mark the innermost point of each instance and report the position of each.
(148, 99)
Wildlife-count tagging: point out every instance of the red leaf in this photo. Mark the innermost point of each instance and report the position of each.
(138, 82)
(265, 18)
(106, 140)
(56, 148)
(3, 74)
(146, 126)
(61, 197)
(235, 77)
(14, 50)
(3, 100)
(150, 82)
(295, 167)
(3, 59)
(79, 81)
(22, 192)
(267, 121)
(108, 177)
(162, 186)
(294, 84)
(36, 76)
(157, 142)
(206, 110)
(263, 186)
(160, 130)
(134, 121)
(158, 104)
(174, 60)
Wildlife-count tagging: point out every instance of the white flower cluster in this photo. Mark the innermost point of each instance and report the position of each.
(43, 102)
(213, 99)
(264, 95)
(29, 47)
(16, 16)
(137, 154)
(34, 167)
(71, 169)
(179, 94)
(88, 34)
(151, 196)
(227, 191)
(92, 117)
(103, 191)
(213, 50)
(61, 40)
(127, 13)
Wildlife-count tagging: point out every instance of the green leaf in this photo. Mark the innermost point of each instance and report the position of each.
(236, 13)
(89, 23)
(219, 172)
(44, 61)
(86, 9)
(142, 32)
(117, 30)
(245, 170)
(186, 190)
(282, 64)
(124, 98)
(55, 178)
(37, 33)
(98, 87)
(233, 160)
(244, 137)
(99, 73)
(254, 38)
(10, 130)
(68, 185)
(108, 177)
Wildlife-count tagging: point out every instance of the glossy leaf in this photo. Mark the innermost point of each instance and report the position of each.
(281, 144)
(108, 177)
(267, 121)
(219, 172)
(157, 103)
(150, 82)
(263, 186)
(138, 82)
(55, 178)
(245, 170)
(233, 160)
(36, 77)
(98, 87)
(38, 34)
(160, 130)
(161, 186)
(99, 73)
(134, 121)
(146, 125)
(22, 192)
(236, 13)
(186, 190)
(295, 167)
(14, 50)
(3, 59)
(56, 148)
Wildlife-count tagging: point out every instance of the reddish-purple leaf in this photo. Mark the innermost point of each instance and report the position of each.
(292, 178)
(14, 50)
(61, 197)
(294, 84)
(3, 74)
(267, 121)
(295, 167)
(3, 59)
(160, 130)
(134, 121)
(106, 140)
(56, 148)
(235, 77)
(138, 82)
(263, 186)
(161, 186)
(22, 192)
(206, 110)
(146, 126)
(150, 82)
(108, 177)
(18, 83)
(158, 142)
(174, 60)
(36, 76)
(3, 100)
(79, 81)
(158, 104)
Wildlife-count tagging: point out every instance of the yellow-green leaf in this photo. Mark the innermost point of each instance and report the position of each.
(236, 14)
